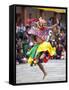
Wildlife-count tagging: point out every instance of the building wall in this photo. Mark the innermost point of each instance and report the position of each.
(30, 12)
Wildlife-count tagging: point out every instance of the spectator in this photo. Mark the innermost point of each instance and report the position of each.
(58, 51)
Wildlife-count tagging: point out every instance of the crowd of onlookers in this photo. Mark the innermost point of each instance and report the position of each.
(24, 42)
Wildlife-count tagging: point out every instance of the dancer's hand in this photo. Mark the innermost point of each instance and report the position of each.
(57, 21)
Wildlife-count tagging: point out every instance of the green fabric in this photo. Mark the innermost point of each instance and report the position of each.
(33, 50)
(25, 47)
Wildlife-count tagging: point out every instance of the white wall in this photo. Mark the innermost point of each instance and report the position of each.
(4, 44)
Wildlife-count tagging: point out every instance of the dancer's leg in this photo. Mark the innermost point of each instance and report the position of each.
(42, 69)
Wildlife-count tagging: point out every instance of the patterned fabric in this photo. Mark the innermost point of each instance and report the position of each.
(41, 34)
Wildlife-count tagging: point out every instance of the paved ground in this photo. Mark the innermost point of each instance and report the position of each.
(56, 70)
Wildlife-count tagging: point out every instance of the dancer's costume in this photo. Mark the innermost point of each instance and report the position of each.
(34, 52)
(38, 48)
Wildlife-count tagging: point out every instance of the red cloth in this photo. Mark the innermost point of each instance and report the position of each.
(43, 28)
(29, 21)
(45, 60)
(34, 59)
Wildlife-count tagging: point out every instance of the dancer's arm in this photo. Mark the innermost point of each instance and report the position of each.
(51, 27)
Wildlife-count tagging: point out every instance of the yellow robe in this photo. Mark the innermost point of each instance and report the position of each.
(45, 46)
